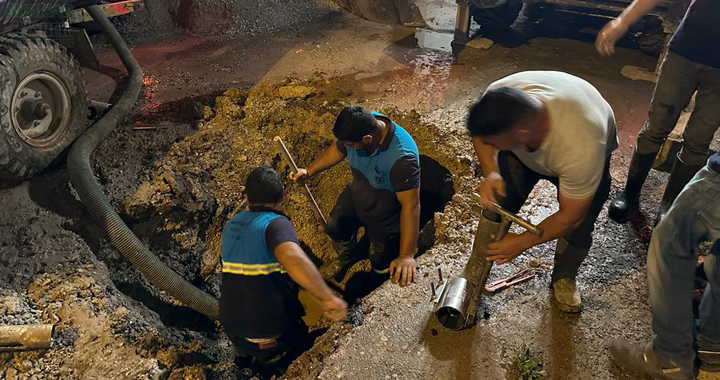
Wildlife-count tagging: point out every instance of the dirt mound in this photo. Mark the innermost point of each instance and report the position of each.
(112, 324)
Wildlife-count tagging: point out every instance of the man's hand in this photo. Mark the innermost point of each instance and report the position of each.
(301, 175)
(334, 308)
(505, 250)
(609, 35)
(492, 184)
(403, 270)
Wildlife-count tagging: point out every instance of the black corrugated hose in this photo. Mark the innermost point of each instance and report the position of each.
(92, 196)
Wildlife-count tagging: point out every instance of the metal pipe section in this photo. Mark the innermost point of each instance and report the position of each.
(92, 195)
(460, 297)
(26, 337)
(289, 160)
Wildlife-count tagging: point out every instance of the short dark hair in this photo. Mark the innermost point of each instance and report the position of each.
(498, 109)
(353, 123)
(263, 185)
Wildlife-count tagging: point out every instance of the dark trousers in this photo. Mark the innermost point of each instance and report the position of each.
(679, 79)
(520, 181)
(344, 224)
(269, 361)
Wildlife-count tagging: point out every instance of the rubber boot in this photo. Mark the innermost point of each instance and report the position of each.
(640, 359)
(626, 201)
(680, 175)
(349, 252)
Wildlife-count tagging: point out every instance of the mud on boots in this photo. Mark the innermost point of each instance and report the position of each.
(548, 125)
(383, 197)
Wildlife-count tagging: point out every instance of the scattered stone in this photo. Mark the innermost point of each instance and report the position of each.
(11, 373)
(26, 366)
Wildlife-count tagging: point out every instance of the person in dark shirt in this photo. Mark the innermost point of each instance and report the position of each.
(692, 65)
(694, 217)
(262, 266)
(384, 196)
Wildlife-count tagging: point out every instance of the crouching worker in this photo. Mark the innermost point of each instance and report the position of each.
(262, 266)
(384, 196)
(548, 125)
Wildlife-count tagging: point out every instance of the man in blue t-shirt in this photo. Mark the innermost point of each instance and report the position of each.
(262, 266)
(384, 196)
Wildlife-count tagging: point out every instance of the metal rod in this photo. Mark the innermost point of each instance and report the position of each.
(289, 160)
(526, 224)
(25, 337)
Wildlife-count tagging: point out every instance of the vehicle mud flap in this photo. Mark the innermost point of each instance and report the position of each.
(397, 12)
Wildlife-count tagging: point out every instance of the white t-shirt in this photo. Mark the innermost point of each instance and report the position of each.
(582, 131)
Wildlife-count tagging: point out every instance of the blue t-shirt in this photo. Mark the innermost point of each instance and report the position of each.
(392, 168)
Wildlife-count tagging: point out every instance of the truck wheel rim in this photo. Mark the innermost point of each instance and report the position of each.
(41, 109)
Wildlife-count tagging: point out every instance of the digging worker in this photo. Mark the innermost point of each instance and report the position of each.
(548, 125)
(694, 217)
(384, 196)
(692, 65)
(262, 266)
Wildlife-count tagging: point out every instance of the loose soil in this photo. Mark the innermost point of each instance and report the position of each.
(178, 183)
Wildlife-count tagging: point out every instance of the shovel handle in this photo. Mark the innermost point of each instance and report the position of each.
(289, 160)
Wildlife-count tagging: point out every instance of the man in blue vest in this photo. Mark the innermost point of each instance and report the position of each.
(262, 266)
(384, 196)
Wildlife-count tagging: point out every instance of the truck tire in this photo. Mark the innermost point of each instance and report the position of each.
(43, 104)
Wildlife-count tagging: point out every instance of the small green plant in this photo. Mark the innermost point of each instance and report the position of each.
(525, 365)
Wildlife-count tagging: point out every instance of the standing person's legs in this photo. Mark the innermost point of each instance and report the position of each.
(671, 273)
(676, 83)
(342, 228)
(709, 329)
(699, 132)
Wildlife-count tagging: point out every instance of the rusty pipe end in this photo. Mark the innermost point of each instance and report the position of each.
(26, 337)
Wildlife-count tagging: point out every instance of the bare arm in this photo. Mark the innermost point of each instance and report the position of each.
(409, 221)
(305, 274)
(493, 183)
(487, 156)
(571, 214)
(329, 158)
(403, 268)
(616, 28)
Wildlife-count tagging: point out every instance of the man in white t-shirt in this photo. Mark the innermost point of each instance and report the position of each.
(549, 125)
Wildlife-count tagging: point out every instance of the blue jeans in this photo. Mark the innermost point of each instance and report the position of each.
(694, 217)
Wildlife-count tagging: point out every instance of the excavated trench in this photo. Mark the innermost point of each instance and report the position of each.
(198, 185)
